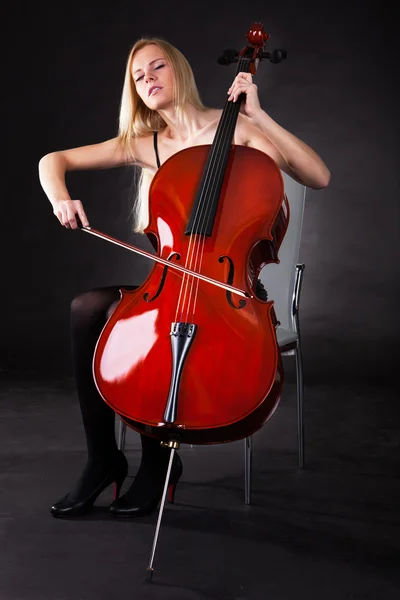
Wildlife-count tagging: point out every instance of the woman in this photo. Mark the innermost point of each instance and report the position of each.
(161, 113)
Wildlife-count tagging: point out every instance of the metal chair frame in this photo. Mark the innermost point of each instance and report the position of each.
(292, 349)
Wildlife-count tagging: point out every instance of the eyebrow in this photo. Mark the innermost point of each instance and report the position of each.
(150, 63)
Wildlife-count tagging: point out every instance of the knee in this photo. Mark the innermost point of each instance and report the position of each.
(81, 305)
(111, 309)
(87, 309)
(93, 307)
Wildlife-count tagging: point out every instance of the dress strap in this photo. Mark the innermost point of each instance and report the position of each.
(156, 149)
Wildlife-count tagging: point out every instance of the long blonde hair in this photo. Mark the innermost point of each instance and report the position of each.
(137, 120)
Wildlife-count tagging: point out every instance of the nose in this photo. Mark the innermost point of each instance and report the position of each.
(149, 76)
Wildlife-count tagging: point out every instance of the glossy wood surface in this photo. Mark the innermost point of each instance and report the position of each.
(231, 371)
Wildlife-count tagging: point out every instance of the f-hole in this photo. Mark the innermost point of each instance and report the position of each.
(162, 281)
(229, 281)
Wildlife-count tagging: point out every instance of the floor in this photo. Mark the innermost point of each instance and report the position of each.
(327, 532)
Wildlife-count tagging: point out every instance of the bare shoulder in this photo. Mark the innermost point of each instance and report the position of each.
(246, 130)
(143, 152)
(252, 136)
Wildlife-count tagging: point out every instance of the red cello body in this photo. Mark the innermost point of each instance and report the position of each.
(231, 378)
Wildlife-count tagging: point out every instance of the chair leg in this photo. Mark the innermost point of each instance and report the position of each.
(248, 458)
(121, 435)
(300, 392)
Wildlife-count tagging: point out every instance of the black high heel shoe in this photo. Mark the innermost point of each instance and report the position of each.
(146, 491)
(72, 504)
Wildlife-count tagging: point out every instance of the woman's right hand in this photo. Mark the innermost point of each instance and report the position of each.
(68, 211)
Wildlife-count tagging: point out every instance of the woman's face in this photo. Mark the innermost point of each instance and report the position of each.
(153, 77)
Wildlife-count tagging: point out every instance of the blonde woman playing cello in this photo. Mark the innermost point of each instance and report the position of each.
(161, 113)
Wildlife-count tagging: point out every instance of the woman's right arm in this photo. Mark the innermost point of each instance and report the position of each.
(53, 167)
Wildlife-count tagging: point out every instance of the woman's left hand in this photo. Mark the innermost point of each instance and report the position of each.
(243, 84)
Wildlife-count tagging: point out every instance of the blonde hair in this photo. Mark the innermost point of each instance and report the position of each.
(137, 120)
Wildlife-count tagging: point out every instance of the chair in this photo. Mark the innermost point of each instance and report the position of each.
(283, 284)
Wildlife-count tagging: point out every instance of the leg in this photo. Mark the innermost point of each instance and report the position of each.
(146, 490)
(89, 313)
(105, 463)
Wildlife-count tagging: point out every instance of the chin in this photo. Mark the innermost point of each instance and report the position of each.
(158, 104)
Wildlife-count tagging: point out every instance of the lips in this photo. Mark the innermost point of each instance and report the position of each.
(154, 87)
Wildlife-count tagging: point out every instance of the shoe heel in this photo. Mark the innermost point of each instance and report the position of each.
(117, 488)
(171, 492)
(118, 483)
(175, 475)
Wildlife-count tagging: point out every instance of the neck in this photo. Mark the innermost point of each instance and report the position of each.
(182, 131)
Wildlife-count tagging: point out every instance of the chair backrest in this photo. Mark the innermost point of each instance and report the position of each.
(279, 279)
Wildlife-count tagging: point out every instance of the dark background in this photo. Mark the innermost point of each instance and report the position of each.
(325, 532)
(336, 92)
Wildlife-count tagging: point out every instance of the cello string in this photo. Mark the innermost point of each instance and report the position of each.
(196, 248)
(194, 240)
(218, 169)
(218, 164)
(203, 207)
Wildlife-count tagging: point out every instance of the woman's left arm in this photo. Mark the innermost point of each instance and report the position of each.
(260, 131)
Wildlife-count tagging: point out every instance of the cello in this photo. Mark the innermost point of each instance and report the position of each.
(191, 355)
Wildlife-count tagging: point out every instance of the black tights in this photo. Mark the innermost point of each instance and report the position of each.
(89, 313)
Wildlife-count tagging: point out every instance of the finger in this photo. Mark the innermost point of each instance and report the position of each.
(239, 89)
(245, 88)
(240, 82)
(80, 212)
(82, 217)
(64, 217)
(58, 215)
(233, 90)
(237, 81)
(241, 77)
(71, 218)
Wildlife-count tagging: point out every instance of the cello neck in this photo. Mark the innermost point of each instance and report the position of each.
(226, 127)
(206, 203)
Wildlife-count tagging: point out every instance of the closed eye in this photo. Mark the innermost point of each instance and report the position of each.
(141, 77)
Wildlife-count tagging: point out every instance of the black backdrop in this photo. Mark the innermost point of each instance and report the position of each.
(336, 91)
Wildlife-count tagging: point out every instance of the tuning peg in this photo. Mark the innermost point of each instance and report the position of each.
(229, 56)
(276, 56)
